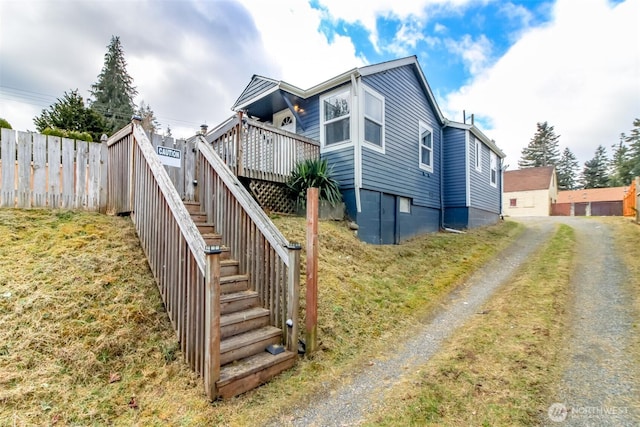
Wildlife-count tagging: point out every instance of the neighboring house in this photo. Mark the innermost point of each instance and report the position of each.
(472, 177)
(381, 130)
(530, 191)
(590, 202)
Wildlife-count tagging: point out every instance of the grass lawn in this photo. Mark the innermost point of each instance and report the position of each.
(84, 338)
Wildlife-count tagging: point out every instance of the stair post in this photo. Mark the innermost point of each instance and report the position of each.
(293, 297)
(212, 321)
(239, 153)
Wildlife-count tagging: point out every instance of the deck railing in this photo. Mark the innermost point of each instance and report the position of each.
(272, 263)
(189, 280)
(257, 150)
(175, 249)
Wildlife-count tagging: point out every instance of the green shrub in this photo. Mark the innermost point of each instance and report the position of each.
(72, 134)
(4, 124)
(313, 173)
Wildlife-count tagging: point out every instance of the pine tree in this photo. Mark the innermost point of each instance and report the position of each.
(113, 93)
(633, 141)
(542, 149)
(149, 122)
(621, 164)
(69, 113)
(594, 174)
(567, 170)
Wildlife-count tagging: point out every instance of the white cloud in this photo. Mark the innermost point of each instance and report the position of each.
(579, 73)
(474, 53)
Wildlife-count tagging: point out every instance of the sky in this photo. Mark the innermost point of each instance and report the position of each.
(572, 63)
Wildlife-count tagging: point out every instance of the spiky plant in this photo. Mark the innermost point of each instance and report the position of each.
(313, 173)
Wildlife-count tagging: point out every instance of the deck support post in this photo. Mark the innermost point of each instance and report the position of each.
(212, 321)
(240, 166)
(293, 297)
(312, 271)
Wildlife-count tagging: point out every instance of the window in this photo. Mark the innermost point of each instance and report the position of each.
(405, 205)
(335, 113)
(494, 169)
(478, 156)
(425, 138)
(513, 203)
(373, 118)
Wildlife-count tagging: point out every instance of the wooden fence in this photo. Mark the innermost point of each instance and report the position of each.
(259, 151)
(51, 172)
(630, 201)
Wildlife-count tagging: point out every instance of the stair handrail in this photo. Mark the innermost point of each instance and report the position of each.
(284, 311)
(188, 281)
(253, 209)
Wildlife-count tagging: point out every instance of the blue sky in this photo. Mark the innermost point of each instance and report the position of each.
(573, 63)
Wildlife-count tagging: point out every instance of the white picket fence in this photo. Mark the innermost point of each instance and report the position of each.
(40, 171)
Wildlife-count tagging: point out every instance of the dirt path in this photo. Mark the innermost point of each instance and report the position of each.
(601, 384)
(349, 404)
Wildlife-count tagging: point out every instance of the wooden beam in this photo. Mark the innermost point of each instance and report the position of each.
(212, 321)
(312, 270)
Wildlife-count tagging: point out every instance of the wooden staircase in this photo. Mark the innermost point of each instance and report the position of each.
(245, 328)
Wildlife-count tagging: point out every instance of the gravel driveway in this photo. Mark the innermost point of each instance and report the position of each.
(349, 404)
(600, 386)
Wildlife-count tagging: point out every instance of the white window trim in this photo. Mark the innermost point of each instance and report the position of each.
(493, 167)
(370, 145)
(324, 148)
(278, 116)
(404, 204)
(478, 154)
(423, 125)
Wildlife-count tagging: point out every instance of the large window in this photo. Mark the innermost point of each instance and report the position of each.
(494, 169)
(336, 113)
(374, 118)
(425, 138)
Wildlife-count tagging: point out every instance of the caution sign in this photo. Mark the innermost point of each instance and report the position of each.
(169, 156)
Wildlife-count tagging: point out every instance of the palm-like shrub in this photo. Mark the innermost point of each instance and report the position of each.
(313, 173)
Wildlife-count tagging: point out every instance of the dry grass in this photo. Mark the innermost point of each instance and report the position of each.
(83, 330)
(499, 368)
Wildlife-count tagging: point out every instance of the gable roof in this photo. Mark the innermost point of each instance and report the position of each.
(528, 179)
(260, 86)
(478, 134)
(612, 194)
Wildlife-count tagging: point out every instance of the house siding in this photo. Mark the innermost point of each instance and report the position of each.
(455, 182)
(528, 203)
(396, 171)
(483, 195)
(341, 163)
(255, 88)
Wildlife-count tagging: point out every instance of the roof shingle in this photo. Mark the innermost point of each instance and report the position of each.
(528, 179)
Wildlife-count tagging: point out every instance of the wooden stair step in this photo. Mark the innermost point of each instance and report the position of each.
(233, 283)
(193, 207)
(212, 239)
(243, 321)
(249, 343)
(199, 217)
(238, 301)
(249, 373)
(206, 227)
(229, 267)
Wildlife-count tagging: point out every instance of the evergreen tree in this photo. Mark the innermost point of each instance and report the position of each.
(594, 174)
(69, 113)
(149, 122)
(4, 124)
(542, 149)
(621, 164)
(567, 169)
(113, 93)
(633, 141)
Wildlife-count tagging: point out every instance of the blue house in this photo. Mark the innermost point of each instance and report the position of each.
(403, 168)
(472, 177)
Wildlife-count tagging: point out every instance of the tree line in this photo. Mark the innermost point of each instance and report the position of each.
(110, 107)
(599, 172)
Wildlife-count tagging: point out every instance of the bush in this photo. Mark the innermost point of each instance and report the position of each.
(72, 134)
(313, 173)
(4, 124)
